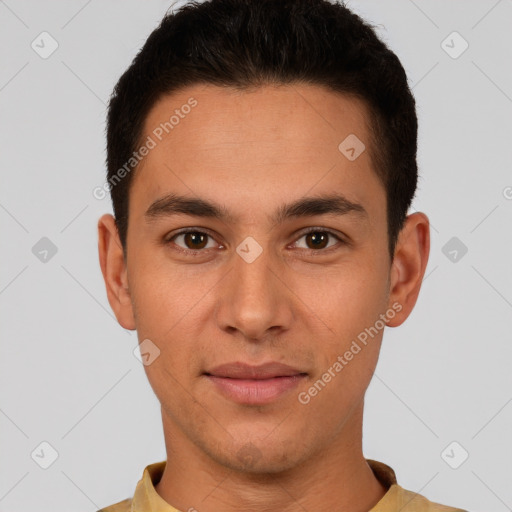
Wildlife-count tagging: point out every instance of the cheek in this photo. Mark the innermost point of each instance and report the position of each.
(349, 304)
(347, 357)
(347, 299)
(169, 308)
(163, 294)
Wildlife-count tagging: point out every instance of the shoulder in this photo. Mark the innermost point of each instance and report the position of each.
(122, 506)
(414, 502)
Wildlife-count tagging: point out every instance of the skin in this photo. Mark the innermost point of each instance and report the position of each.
(297, 304)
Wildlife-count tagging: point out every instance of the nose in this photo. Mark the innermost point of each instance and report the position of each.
(255, 300)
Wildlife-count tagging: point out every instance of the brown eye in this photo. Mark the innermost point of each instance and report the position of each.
(195, 240)
(192, 240)
(317, 239)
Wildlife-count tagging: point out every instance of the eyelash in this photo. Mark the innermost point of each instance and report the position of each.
(304, 233)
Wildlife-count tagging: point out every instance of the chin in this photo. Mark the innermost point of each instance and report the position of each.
(261, 458)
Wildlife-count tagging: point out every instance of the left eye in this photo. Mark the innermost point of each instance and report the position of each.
(318, 239)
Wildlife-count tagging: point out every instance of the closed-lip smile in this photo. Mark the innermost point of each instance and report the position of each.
(256, 385)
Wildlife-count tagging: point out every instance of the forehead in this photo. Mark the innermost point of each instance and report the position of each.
(272, 141)
(304, 114)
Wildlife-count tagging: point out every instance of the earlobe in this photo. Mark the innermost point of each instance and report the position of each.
(114, 270)
(409, 264)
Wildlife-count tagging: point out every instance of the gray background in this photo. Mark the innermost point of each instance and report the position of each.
(68, 373)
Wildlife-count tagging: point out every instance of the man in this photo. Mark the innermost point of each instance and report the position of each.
(261, 161)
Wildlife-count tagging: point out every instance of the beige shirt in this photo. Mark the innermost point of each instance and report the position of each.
(396, 499)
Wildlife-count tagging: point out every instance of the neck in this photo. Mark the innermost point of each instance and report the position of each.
(337, 478)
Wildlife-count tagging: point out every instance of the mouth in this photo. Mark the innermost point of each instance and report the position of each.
(254, 385)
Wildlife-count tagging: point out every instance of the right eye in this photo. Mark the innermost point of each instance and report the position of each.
(193, 240)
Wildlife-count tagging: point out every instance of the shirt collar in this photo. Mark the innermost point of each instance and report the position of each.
(146, 499)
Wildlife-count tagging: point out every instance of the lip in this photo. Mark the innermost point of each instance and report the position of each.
(239, 370)
(256, 385)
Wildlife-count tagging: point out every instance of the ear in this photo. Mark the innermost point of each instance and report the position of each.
(408, 266)
(113, 268)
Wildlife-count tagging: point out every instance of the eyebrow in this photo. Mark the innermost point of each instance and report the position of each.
(332, 204)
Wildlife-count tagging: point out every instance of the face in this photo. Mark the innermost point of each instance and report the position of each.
(285, 262)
